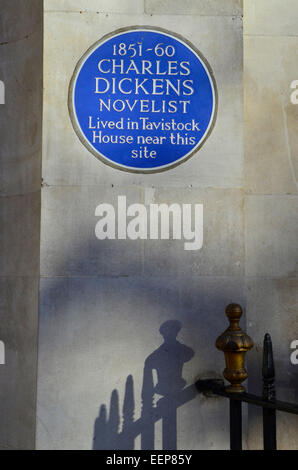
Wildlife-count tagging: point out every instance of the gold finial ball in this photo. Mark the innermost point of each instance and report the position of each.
(234, 311)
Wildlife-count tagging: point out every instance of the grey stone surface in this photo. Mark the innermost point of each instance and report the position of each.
(271, 236)
(21, 117)
(271, 17)
(107, 6)
(272, 307)
(68, 242)
(270, 174)
(291, 118)
(191, 7)
(222, 253)
(18, 319)
(19, 237)
(19, 19)
(67, 162)
(94, 333)
(20, 178)
(271, 156)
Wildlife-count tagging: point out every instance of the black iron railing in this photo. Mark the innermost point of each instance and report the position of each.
(233, 345)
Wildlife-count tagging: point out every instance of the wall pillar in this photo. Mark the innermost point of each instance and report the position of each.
(271, 149)
(20, 184)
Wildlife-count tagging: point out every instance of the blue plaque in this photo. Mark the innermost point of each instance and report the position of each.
(143, 99)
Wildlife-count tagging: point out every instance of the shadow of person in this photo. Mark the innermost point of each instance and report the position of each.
(168, 361)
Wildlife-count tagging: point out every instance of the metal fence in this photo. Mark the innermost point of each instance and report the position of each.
(235, 343)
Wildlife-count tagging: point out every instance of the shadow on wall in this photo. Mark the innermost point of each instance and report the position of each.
(167, 361)
(91, 305)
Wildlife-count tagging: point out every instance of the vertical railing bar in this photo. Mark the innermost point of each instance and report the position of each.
(235, 425)
(269, 415)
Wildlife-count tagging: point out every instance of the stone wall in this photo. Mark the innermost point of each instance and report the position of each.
(20, 180)
(271, 150)
(102, 302)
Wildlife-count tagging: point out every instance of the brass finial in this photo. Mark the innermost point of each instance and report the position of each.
(234, 343)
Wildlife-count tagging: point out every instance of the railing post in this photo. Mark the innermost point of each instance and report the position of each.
(235, 343)
(235, 425)
(269, 415)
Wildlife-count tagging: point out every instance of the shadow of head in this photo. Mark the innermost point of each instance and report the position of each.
(170, 329)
